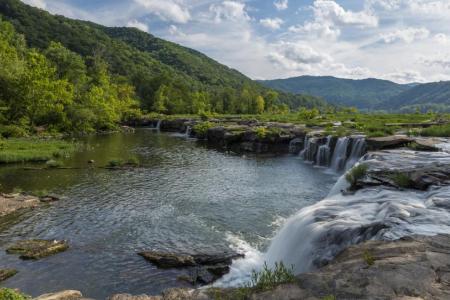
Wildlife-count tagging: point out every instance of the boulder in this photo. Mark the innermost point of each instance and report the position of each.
(63, 295)
(131, 297)
(36, 249)
(7, 273)
(388, 142)
(10, 203)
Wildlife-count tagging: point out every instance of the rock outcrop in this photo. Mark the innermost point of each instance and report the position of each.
(7, 273)
(63, 295)
(205, 268)
(11, 203)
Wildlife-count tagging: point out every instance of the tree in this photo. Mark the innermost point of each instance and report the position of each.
(260, 105)
(159, 104)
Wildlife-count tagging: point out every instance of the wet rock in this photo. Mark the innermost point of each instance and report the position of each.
(63, 295)
(168, 260)
(7, 273)
(388, 142)
(50, 198)
(203, 268)
(10, 203)
(296, 145)
(36, 249)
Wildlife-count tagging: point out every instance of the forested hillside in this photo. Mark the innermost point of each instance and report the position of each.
(430, 96)
(165, 77)
(363, 94)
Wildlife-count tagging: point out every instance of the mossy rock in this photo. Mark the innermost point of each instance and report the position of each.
(36, 249)
(7, 273)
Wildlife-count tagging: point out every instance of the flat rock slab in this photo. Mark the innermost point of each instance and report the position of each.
(7, 273)
(36, 249)
(63, 295)
(10, 203)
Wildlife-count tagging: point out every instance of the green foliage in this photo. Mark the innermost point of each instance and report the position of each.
(329, 297)
(12, 131)
(33, 150)
(439, 131)
(115, 163)
(261, 132)
(402, 180)
(356, 174)
(10, 294)
(268, 279)
(368, 258)
(201, 129)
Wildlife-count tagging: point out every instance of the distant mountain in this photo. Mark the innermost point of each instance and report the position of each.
(435, 96)
(363, 94)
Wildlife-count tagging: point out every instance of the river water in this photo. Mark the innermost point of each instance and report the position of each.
(185, 197)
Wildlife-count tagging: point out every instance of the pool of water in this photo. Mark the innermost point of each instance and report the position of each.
(185, 197)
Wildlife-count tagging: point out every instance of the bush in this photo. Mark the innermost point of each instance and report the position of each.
(402, 180)
(12, 131)
(133, 161)
(356, 174)
(10, 294)
(114, 163)
(201, 129)
(368, 258)
(261, 132)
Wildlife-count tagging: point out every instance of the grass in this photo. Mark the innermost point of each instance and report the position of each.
(436, 131)
(355, 174)
(261, 132)
(34, 150)
(119, 163)
(402, 180)
(265, 280)
(10, 294)
(368, 258)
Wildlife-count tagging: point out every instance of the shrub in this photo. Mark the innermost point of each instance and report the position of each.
(261, 132)
(329, 297)
(133, 161)
(402, 180)
(368, 258)
(114, 163)
(356, 174)
(12, 131)
(10, 294)
(268, 279)
(201, 129)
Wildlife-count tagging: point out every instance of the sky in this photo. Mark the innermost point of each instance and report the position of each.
(400, 40)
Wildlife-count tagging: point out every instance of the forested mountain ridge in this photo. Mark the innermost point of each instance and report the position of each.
(363, 94)
(167, 77)
(423, 97)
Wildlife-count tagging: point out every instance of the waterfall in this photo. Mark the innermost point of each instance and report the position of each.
(188, 131)
(305, 149)
(358, 150)
(340, 154)
(323, 154)
(316, 234)
(158, 125)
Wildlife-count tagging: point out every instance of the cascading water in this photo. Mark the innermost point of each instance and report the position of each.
(316, 234)
(340, 154)
(324, 153)
(188, 131)
(306, 144)
(158, 125)
(358, 150)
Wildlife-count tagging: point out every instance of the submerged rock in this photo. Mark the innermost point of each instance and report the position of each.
(7, 273)
(168, 260)
(36, 249)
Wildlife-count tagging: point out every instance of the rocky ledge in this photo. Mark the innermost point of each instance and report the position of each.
(203, 268)
(5, 274)
(12, 203)
(410, 268)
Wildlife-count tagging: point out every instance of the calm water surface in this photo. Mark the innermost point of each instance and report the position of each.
(185, 197)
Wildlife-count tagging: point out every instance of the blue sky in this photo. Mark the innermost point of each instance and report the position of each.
(399, 40)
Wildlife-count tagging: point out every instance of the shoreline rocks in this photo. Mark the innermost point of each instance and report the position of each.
(7, 273)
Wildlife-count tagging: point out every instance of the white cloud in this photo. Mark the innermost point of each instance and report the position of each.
(404, 76)
(312, 29)
(407, 35)
(36, 3)
(170, 10)
(281, 4)
(441, 61)
(139, 25)
(229, 11)
(441, 38)
(330, 11)
(273, 24)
